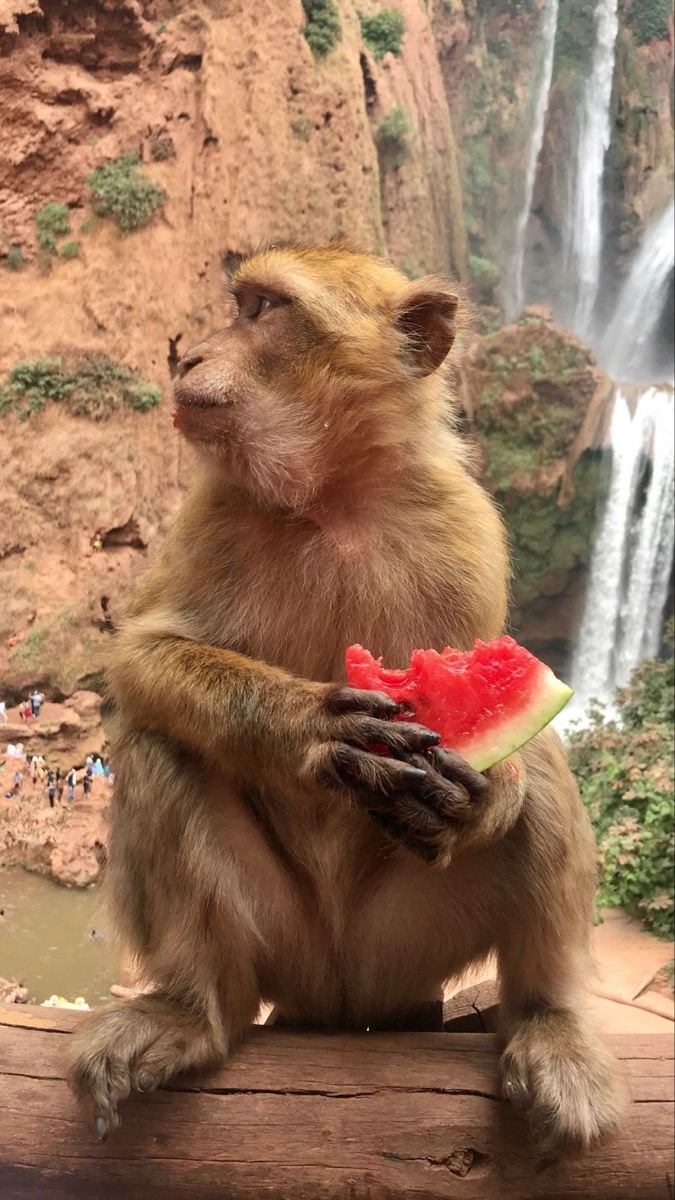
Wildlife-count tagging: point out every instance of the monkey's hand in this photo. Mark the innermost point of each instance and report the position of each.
(346, 732)
(451, 807)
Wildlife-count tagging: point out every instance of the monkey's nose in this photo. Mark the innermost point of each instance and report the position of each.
(187, 362)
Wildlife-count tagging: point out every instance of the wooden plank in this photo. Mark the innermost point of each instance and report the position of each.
(319, 1117)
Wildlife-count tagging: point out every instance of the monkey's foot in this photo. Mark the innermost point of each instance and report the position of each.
(564, 1080)
(135, 1045)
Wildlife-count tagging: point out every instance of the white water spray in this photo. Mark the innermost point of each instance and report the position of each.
(627, 349)
(515, 286)
(633, 551)
(582, 229)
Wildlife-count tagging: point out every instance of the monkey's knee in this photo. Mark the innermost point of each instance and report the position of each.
(137, 1045)
(565, 1080)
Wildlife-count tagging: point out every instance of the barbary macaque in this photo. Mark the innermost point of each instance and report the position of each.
(260, 851)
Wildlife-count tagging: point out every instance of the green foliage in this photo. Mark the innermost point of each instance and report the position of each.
(89, 385)
(15, 260)
(70, 250)
(120, 189)
(53, 221)
(625, 771)
(648, 19)
(322, 30)
(302, 127)
(393, 136)
(575, 34)
(383, 31)
(29, 650)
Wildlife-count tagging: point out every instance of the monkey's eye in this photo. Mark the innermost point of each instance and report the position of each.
(257, 306)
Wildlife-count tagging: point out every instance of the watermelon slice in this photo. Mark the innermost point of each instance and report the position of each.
(484, 703)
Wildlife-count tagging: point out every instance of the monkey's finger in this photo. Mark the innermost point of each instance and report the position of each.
(453, 767)
(347, 700)
(421, 833)
(402, 737)
(378, 777)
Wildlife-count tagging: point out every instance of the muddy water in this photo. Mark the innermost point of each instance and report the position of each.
(45, 939)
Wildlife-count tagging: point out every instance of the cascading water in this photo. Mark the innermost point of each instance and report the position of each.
(627, 348)
(582, 230)
(633, 551)
(515, 287)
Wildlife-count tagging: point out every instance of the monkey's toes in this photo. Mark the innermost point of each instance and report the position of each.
(352, 700)
(456, 769)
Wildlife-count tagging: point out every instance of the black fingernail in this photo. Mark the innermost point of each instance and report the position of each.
(101, 1128)
(433, 739)
(146, 1081)
(414, 774)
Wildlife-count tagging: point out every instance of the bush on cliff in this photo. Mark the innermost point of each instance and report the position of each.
(383, 32)
(120, 189)
(89, 385)
(53, 221)
(393, 136)
(624, 768)
(322, 30)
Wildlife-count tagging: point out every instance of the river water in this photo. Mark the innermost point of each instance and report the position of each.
(45, 939)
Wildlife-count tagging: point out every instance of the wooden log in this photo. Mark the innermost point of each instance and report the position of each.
(375, 1116)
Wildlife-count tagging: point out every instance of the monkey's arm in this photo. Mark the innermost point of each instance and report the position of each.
(255, 719)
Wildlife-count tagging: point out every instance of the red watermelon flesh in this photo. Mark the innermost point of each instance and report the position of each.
(484, 703)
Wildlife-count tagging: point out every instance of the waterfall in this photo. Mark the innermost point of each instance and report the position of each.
(627, 348)
(582, 229)
(633, 550)
(515, 288)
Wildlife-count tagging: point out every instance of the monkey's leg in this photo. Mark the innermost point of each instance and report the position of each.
(555, 1068)
(175, 902)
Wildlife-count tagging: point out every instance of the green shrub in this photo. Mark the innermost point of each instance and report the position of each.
(625, 771)
(393, 136)
(52, 220)
(322, 29)
(15, 260)
(383, 31)
(648, 19)
(89, 385)
(120, 189)
(70, 250)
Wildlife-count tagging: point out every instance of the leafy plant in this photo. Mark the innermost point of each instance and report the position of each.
(383, 31)
(322, 29)
(393, 136)
(52, 220)
(120, 189)
(15, 260)
(648, 19)
(625, 771)
(162, 147)
(70, 249)
(89, 385)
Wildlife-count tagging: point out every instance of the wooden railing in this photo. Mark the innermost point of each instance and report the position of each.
(374, 1116)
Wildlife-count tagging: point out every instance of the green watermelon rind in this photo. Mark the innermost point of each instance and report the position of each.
(486, 748)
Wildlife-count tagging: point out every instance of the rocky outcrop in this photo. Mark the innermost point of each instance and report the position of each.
(66, 843)
(538, 407)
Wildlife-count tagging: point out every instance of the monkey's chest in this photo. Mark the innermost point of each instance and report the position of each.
(314, 601)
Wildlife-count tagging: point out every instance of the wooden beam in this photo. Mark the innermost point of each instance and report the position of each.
(375, 1116)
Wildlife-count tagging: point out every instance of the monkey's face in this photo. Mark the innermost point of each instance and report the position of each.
(322, 361)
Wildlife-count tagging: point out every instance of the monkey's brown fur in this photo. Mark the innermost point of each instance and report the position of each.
(258, 850)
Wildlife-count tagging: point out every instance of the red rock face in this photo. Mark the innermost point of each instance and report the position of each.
(252, 139)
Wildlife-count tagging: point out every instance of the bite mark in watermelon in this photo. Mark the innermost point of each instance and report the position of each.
(485, 703)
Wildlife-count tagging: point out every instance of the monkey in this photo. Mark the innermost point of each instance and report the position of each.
(260, 849)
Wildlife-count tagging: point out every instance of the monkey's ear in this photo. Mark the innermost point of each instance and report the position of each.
(425, 314)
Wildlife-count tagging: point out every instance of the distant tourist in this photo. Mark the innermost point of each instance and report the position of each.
(36, 699)
(18, 780)
(71, 780)
(3, 712)
(86, 784)
(34, 768)
(26, 710)
(60, 784)
(51, 788)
